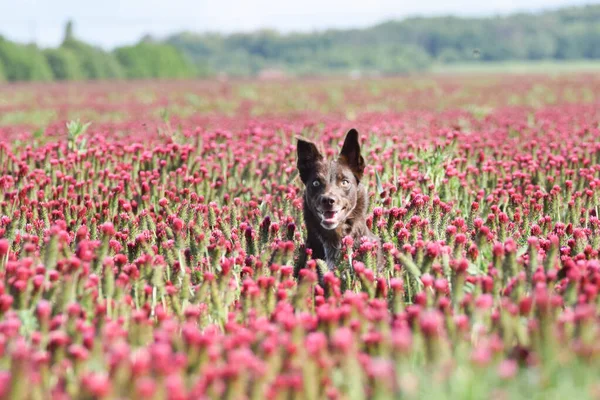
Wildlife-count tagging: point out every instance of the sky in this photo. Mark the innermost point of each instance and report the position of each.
(110, 23)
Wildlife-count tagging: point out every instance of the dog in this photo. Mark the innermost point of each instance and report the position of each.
(335, 200)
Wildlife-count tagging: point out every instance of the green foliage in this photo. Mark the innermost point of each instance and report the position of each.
(76, 60)
(95, 62)
(23, 62)
(75, 130)
(403, 46)
(69, 35)
(390, 48)
(448, 56)
(64, 63)
(154, 60)
(248, 54)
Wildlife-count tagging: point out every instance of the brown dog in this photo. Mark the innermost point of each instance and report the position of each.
(335, 201)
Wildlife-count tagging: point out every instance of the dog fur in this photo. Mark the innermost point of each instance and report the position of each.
(335, 200)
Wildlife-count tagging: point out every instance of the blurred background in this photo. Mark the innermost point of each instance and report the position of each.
(181, 39)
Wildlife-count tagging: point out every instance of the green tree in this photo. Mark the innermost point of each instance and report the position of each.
(64, 64)
(94, 63)
(449, 55)
(69, 35)
(154, 60)
(401, 46)
(23, 62)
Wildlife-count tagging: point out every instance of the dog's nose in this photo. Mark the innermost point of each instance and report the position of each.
(327, 201)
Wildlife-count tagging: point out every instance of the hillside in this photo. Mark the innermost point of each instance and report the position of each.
(402, 46)
(565, 36)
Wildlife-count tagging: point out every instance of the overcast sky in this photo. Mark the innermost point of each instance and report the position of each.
(110, 23)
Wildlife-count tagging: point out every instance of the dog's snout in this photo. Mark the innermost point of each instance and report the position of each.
(327, 201)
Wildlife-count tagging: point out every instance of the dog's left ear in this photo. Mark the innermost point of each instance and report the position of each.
(350, 154)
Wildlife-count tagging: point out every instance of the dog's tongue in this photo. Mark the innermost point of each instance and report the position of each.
(330, 214)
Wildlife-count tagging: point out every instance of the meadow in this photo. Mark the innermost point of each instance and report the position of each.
(149, 232)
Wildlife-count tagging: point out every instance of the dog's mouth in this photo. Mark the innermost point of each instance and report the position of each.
(330, 219)
(327, 215)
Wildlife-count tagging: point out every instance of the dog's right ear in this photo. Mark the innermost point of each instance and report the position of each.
(350, 154)
(308, 157)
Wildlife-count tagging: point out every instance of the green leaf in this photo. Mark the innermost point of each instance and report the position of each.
(38, 133)
(29, 322)
(263, 208)
(379, 185)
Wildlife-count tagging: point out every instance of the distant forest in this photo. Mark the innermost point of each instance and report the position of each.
(403, 46)
(394, 47)
(75, 60)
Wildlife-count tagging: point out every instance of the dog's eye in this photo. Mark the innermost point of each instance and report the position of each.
(345, 183)
(316, 183)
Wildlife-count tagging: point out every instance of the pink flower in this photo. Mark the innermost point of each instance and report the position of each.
(427, 280)
(108, 229)
(507, 369)
(4, 247)
(484, 301)
(481, 355)
(343, 339)
(431, 323)
(96, 384)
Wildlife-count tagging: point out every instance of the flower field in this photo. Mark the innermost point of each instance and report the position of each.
(150, 254)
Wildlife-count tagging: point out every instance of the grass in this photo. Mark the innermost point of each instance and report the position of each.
(518, 67)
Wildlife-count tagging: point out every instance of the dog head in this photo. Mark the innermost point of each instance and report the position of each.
(332, 186)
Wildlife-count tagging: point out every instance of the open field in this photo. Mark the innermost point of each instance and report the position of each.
(151, 253)
(551, 67)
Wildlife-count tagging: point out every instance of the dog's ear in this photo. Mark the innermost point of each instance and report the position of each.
(308, 157)
(350, 154)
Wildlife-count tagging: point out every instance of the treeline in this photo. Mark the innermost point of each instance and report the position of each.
(76, 60)
(403, 46)
(393, 47)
